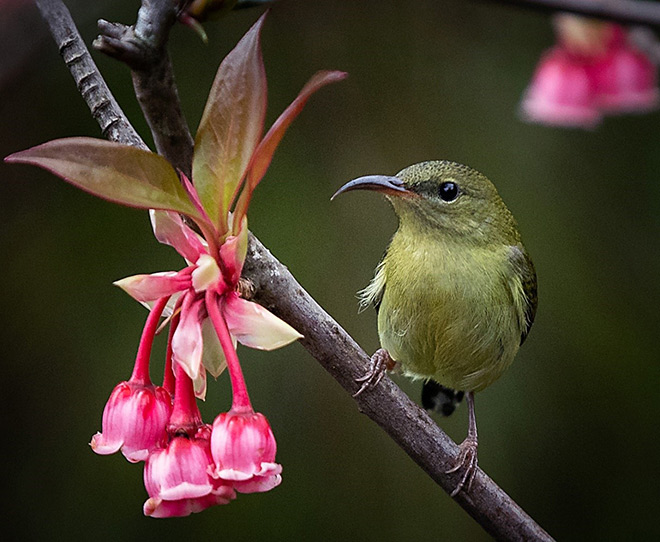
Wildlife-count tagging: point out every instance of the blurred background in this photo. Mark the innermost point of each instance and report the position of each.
(570, 431)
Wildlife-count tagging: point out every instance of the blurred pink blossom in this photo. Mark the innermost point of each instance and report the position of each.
(594, 70)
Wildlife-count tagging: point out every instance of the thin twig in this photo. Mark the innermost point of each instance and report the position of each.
(624, 11)
(386, 404)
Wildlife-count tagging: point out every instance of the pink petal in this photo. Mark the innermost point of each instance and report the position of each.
(258, 484)
(170, 230)
(233, 475)
(179, 471)
(233, 252)
(254, 326)
(104, 445)
(186, 490)
(159, 508)
(146, 288)
(187, 340)
(206, 273)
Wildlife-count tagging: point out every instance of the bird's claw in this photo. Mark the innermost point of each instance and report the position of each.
(380, 362)
(467, 460)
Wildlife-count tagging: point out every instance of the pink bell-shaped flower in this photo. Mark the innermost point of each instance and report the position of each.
(177, 478)
(134, 420)
(561, 92)
(626, 81)
(136, 415)
(243, 449)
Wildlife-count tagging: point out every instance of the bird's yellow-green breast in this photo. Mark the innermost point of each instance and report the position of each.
(456, 290)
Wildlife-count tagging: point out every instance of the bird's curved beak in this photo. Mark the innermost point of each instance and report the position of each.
(380, 183)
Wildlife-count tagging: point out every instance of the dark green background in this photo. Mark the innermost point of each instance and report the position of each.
(570, 432)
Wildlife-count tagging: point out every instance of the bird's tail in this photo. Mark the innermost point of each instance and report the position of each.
(437, 398)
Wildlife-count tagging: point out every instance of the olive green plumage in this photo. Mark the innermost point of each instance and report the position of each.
(456, 290)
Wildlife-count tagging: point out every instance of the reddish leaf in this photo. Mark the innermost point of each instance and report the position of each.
(115, 172)
(231, 126)
(264, 152)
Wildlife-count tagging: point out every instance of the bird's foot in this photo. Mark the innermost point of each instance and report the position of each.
(381, 361)
(467, 463)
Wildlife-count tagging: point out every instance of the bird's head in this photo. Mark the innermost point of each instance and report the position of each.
(444, 198)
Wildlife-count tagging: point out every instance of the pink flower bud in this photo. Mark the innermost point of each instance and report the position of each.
(243, 449)
(561, 93)
(177, 478)
(134, 420)
(626, 81)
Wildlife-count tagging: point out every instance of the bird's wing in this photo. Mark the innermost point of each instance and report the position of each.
(524, 268)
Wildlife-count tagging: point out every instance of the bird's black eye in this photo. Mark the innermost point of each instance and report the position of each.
(448, 191)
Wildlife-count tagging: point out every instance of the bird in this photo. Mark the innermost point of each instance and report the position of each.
(455, 292)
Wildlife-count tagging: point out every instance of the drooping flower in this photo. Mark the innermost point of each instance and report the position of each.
(561, 93)
(243, 449)
(134, 420)
(136, 415)
(177, 477)
(594, 70)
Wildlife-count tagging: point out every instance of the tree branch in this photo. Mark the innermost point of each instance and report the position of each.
(143, 48)
(624, 11)
(408, 425)
(386, 404)
(102, 104)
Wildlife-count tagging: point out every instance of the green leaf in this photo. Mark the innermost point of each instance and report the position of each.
(118, 173)
(231, 126)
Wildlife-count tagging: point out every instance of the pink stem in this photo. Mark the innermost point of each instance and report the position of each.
(185, 414)
(241, 399)
(168, 376)
(141, 370)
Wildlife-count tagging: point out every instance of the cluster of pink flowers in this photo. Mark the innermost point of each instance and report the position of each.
(593, 70)
(191, 465)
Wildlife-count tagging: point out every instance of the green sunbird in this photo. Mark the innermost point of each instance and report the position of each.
(455, 292)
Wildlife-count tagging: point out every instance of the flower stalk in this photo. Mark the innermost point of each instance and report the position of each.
(240, 398)
(141, 369)
(185, 416)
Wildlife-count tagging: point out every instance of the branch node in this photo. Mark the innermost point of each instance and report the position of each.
(73, 59)
(97, 110)
(114, 123)
(119, 41)
(89, 91)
